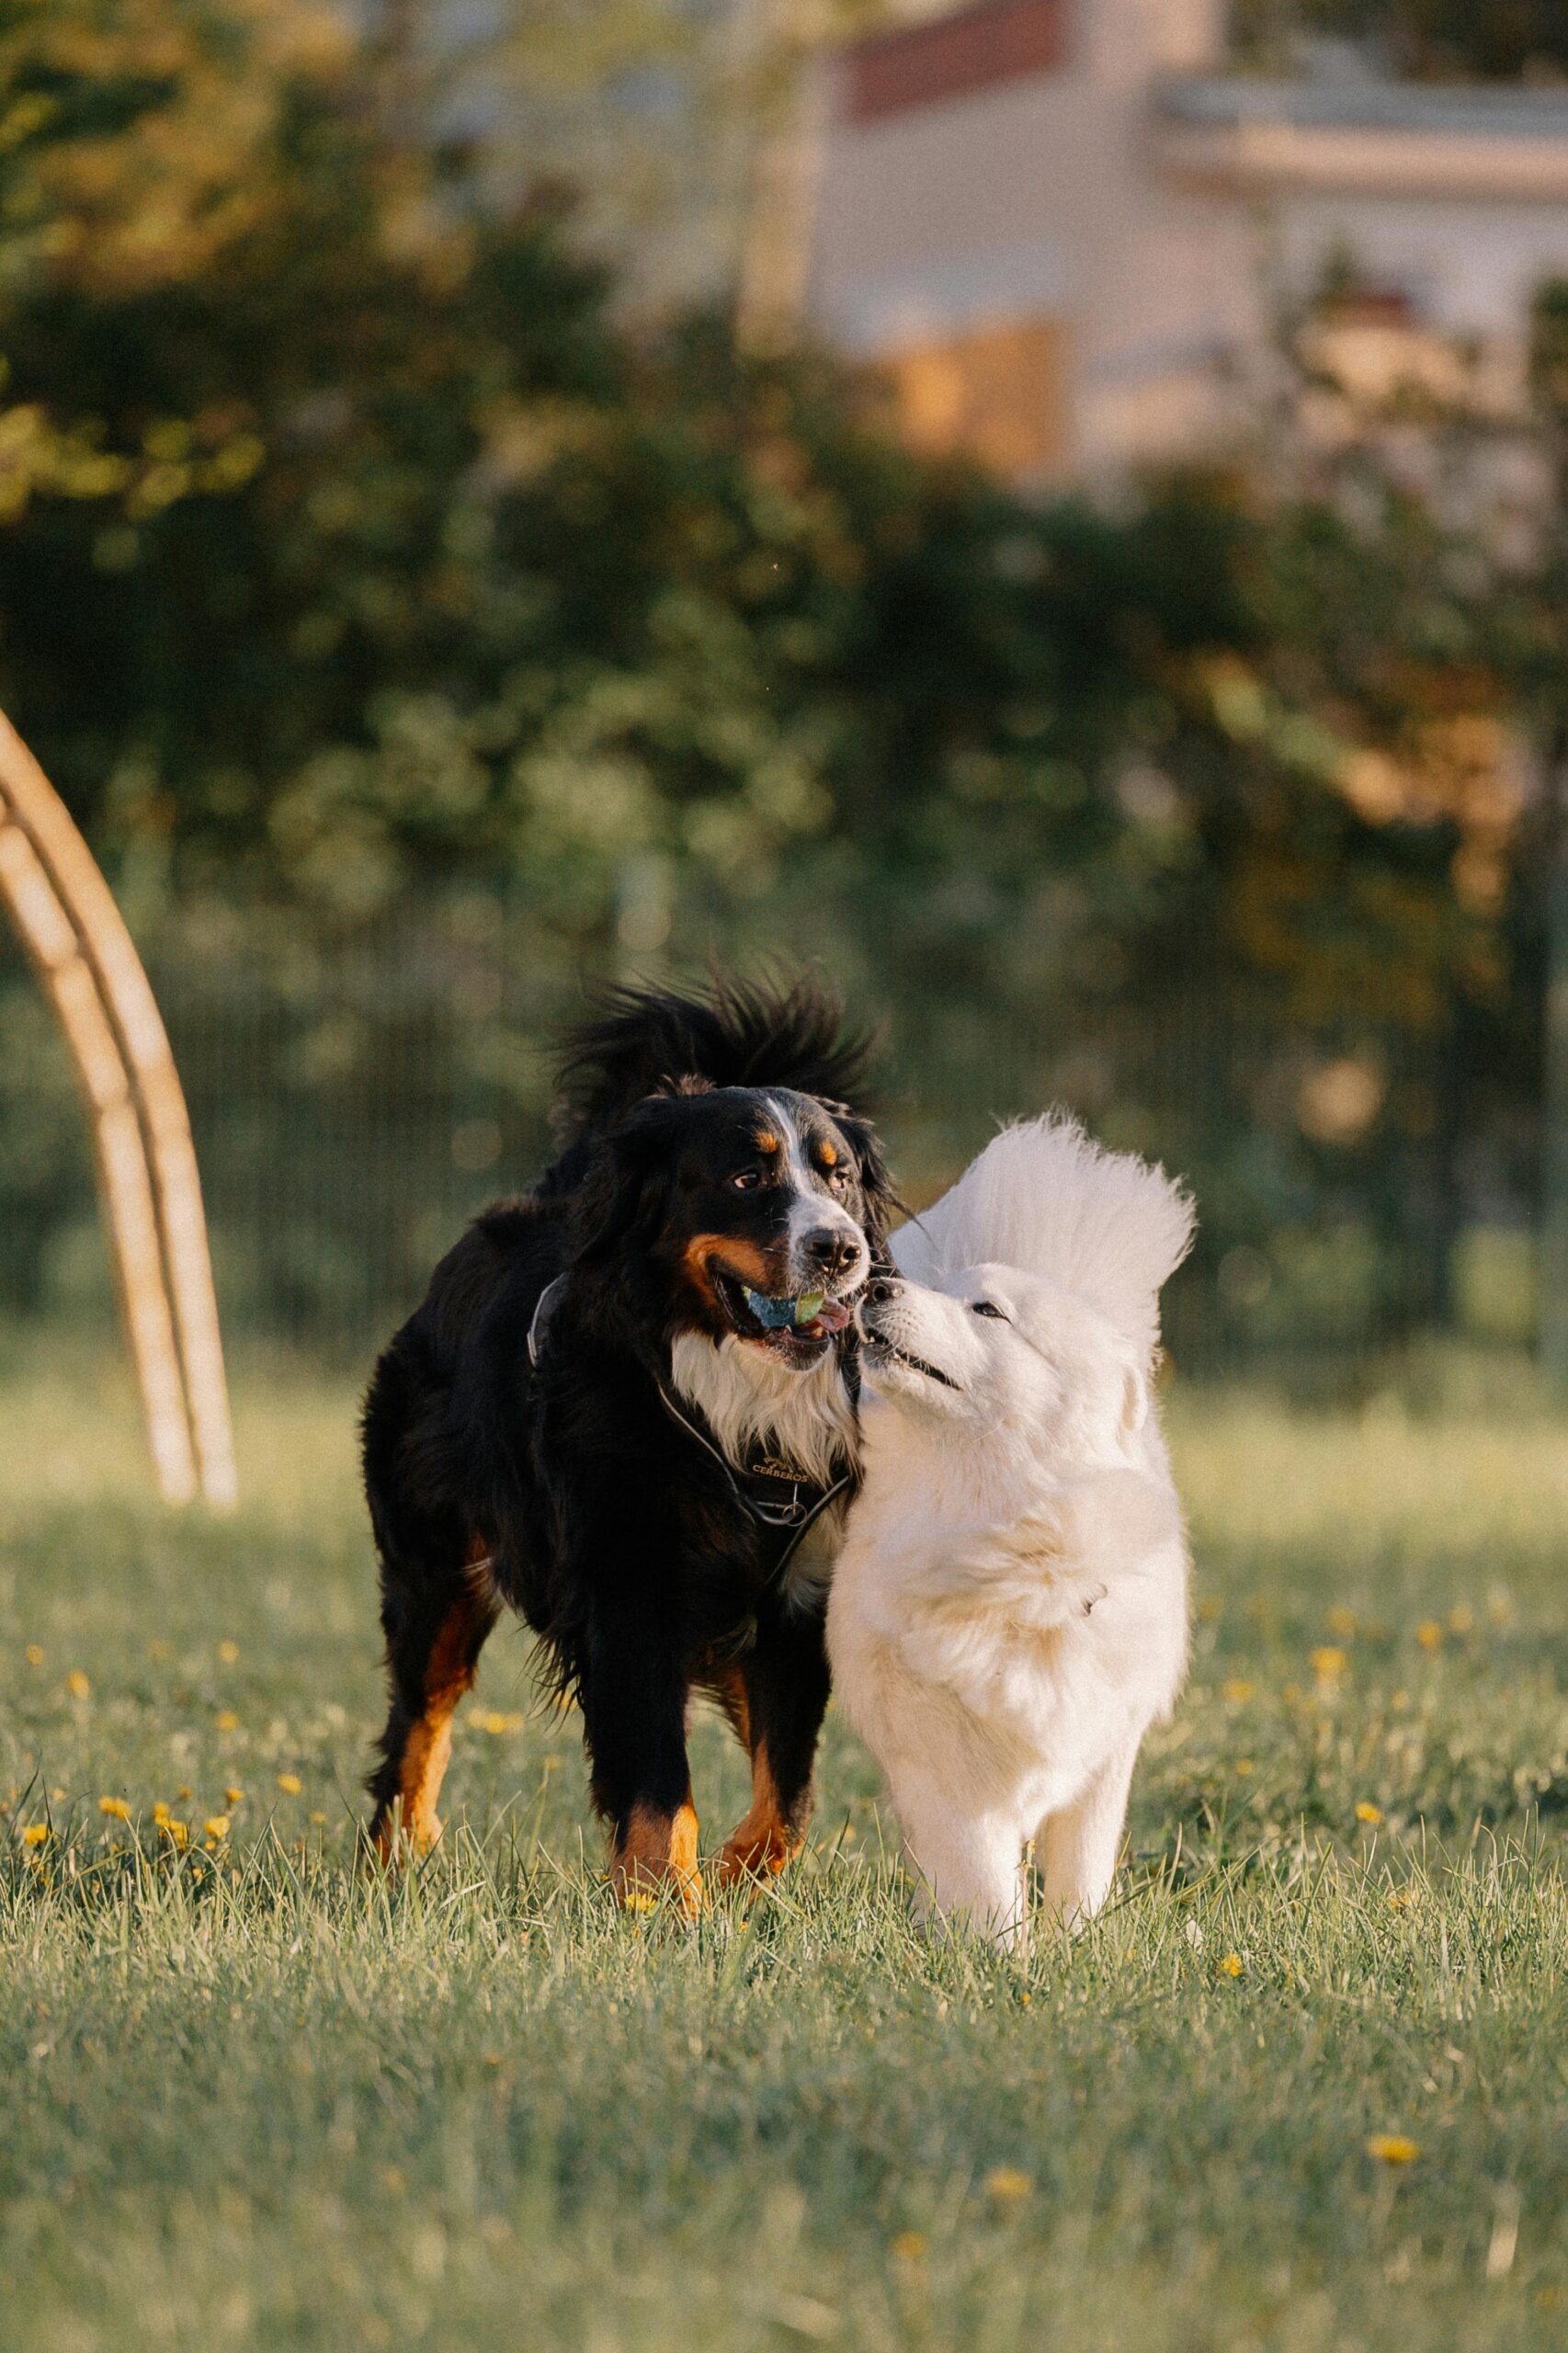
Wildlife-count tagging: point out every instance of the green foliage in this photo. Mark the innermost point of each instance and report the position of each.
(360, 567)
(253, 2098)
(1427, 39)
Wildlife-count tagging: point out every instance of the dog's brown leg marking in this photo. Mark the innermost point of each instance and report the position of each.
(728, 1685)
(449, 1677)
(659, 1850)
(762, 1843)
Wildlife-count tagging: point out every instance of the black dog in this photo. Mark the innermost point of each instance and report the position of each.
(625, 1400)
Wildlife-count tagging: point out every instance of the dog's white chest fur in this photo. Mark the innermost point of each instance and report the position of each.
(806, 1418)
(745, 1397)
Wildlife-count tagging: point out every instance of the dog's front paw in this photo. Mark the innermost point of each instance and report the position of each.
(396, 1838)
(757, 1850)
(641, 1890)
(656, 1857)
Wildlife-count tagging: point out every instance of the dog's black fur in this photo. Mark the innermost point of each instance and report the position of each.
(570, 1490)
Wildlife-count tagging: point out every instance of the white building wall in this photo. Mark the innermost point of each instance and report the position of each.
(1069, 196)
(1040, 197)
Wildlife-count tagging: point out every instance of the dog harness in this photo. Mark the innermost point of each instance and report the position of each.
(780, 1496)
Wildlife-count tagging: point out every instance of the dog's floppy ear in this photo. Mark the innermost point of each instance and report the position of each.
(882, 1204)
(613, 1201)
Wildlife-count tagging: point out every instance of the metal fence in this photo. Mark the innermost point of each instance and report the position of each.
(354, 1105)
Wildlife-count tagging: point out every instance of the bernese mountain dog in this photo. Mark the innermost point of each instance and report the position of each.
(627, 1408)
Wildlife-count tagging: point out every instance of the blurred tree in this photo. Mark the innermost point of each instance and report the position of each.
(1427, 39)
(1549, 382)
(355, 555)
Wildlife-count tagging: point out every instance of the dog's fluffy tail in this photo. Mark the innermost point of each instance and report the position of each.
(742, 1034)
(1043, 1197)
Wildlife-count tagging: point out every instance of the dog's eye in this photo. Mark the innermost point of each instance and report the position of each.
(746, 1180)
(989, 1307)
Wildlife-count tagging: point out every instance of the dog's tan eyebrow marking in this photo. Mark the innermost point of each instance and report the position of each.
(826, 1153)
(766, 1140)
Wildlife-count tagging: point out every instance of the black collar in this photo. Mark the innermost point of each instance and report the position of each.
(779, 1493)
(781, 1496)
(545, 1306)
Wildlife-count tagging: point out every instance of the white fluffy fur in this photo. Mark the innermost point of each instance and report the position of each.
(744, 1394)
(1008, 1614)
(1043, 1197)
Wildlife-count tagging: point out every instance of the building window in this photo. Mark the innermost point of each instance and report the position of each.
(998, 394)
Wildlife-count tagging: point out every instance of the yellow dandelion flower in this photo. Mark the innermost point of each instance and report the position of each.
(34, 1654)
(291, 1784)
(1008, 2184)
(493, 1723)
(183, 1792)
(228, 1653)
(228, 1720)
(1400, 1898)
(77, 1684)
(318, 1817)
(233, 1797)
(178, 1832)
(1341, 1621)
(1461, 1618)
(216, 1825)
(1245, 1766)
(909, 2246)
(1290, 1693)
(1329, 1661)
(36, 1834)
(1232, 1965)
(1238, 1689)
(1430, 1635)
(1392, 2149)
(160, 1650)
(1365, 1812)
(160, 1812)
(116, 1808)
(639, 1899)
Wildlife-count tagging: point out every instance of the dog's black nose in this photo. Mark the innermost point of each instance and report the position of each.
(831, 1250)
(880, 1288)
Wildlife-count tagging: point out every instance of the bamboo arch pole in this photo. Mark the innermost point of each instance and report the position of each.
(104, 998)
(123, 1178)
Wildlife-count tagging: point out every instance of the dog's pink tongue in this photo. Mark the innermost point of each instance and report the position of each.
(830, 1316)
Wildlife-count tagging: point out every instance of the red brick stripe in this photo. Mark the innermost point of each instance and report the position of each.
(1001, 40)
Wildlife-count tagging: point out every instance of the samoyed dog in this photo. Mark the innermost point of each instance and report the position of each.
(1008, 1613)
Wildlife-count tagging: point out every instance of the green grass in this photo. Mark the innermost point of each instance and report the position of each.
(252, 2099)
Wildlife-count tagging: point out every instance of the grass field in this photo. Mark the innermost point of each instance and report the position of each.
(251, 2100)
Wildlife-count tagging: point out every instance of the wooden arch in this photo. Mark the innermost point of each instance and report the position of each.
(88, 967)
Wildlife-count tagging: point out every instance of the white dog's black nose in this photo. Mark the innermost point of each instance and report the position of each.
(880, 1291)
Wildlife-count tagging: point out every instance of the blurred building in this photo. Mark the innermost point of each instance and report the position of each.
(1066, 231)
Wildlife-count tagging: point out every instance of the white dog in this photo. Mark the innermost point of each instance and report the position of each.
(1008, 1614)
